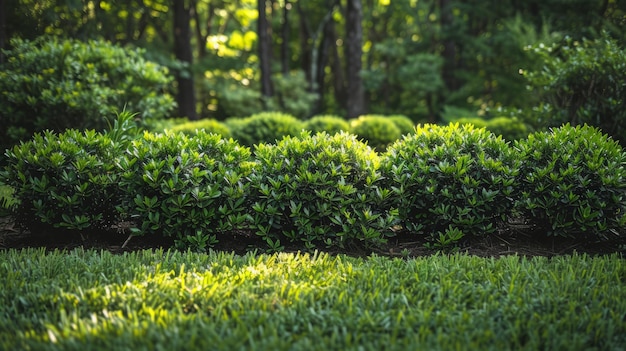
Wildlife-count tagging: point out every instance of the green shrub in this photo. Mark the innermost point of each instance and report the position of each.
(63, 181)
(318, 189)
(208, 125)
(68, 180)
(378, 131)
(572, 182)
(266, 127)
(510, 129)
(327, 123)
(582, 82)
(451, 181)
(59, 84)
(404, 123)
(190, 189)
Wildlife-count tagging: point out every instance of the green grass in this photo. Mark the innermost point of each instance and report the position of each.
(91, 300)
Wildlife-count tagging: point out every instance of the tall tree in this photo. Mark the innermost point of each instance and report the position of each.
(3, 29)
(355, 100)
(182, 49)
(265, 51)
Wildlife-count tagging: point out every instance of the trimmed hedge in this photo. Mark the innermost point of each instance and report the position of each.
(208, 125)
(451, 181)
(188, 188)
(571, 182)
(377, 130)
(266, 127)
(439, 183)
(327, 123)
(318, 189)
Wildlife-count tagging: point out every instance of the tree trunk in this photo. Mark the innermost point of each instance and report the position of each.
(182, 49)
(284, 47)
(449, 46)
(354, 51)
(3, 29)
(265, 51)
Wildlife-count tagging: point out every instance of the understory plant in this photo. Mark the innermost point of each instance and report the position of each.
(451, 181)
(187, 188)
(318, 189)
(571, 182)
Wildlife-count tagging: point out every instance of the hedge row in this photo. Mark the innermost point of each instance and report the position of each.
(377, 130)
(439, 183)
(269, 127)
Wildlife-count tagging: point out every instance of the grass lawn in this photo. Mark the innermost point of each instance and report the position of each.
(166, 300)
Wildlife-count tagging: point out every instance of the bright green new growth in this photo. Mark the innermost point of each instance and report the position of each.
(571, 182)
(451, 179)
(318, 189)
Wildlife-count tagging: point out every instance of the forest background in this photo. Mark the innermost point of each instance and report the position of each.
(430, 60)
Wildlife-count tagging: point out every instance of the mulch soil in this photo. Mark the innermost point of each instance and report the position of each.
(516, 239)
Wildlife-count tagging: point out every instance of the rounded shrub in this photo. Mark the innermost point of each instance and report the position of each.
(59, 84)
(404, 123)
(451, 181)
(191, 189)
(378, 131)
(318, 189)
(510, 128)
(208, 125)
(64, 181)
(265, 127)
(572, 182)
(327, 123)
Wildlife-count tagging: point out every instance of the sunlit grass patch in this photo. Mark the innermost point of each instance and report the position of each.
(171, 300)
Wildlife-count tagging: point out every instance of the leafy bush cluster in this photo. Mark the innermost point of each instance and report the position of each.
(378, 131)
(207, 125)
(318, 188)
(571, 181)
(450, 181)
(266, 127)
(56, 85)
(439, 183)
(582, 82)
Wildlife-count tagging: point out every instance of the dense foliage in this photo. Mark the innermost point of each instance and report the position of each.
(327, 123)
(582, 82)
(318, 189)
(438, 184)
(451, 181)
(59, 84)
(64, 180)
(190, 189)
(572, 182)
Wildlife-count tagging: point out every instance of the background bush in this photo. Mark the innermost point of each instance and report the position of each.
(572, 182)
(404, 123)
(379, 131)
(191, 189)
(58, 84)
(582, 82)
(266, 127)
(327, 123)
(451, 181)
(318, 189)
(208, 125)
